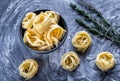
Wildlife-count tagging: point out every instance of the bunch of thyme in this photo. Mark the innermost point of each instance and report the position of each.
(102, 29)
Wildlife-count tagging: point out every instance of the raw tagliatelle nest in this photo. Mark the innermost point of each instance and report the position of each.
(105, 61)
(70, 61)
(42, 30)
(81, 41)
(28, 68)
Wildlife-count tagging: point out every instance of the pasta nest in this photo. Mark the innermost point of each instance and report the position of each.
(105, 61)
(28, 20)
(82, 40)
(44, 20)
(28, 68)
(70, 61)
(45, 32)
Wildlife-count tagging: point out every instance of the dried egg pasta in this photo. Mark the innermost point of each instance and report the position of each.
(28, 20)
(105, 61)
(43, 21)
(55, 34)
(33, 38)
(81, 41)
(70, 61)
(45, 33)
(28, 68)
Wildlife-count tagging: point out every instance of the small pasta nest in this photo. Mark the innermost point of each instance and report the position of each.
(42, 30)
(28, 68)
(28, 20)
(81, 41)
(105, 61)
(70, 61)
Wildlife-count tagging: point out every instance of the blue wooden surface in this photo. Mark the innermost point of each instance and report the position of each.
(12, 52)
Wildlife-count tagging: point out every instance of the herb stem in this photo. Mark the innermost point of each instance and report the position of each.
(103, 29)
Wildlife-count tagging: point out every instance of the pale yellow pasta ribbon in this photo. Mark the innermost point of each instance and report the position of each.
(105, 61)
(45, 33)
(53, 15)
(55, 33)
(43, 21)
(70, 61)
(32, 38)
(28, 68)
(81, 41)
(28, 20)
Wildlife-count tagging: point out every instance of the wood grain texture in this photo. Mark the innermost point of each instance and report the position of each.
(12, 52)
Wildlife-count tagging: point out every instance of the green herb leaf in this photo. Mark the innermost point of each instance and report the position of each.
(102, 28)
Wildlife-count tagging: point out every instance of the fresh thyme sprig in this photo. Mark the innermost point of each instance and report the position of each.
(103, 29)
(94, 10)
(92, 29)
(88, 17)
